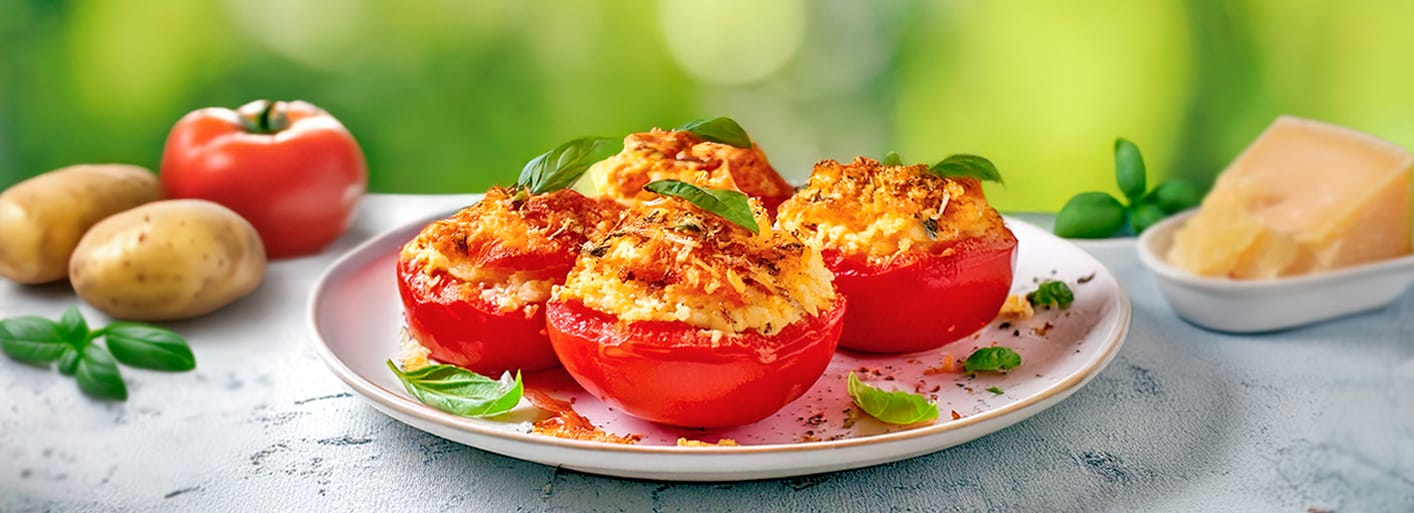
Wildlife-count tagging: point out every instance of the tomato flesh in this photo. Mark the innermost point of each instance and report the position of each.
(450, 319)
(673, 373)
(923, 301)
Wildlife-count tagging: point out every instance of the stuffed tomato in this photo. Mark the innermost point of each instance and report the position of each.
(687, 156)
(923, 259)
(474, 285)
(682, 317)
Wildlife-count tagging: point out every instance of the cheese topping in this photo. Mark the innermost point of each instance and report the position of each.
(869, 209)
(670, 261)
(511, 250)
(680, 155)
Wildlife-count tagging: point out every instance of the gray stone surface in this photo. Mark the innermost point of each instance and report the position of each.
(1320, 418)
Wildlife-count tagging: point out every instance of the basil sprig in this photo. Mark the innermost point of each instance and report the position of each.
(1052, 293)
(41, 341)
(971, 166)
(730, 205)
(961, 164)
(896, 407)
(892, 159)
(462, 392)
(992, 359)
(560, 167)
(723, 130)
(1093, 215)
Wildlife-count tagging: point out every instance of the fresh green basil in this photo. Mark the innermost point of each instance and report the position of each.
(1175, 196)
(723, 130)
(996, 390)
(892, 407)
(892, 159)
(148, 347)
(69, 361)
(560, 167)
(1090, 215)
(461, 392)
(41, 341)
(971, 166)
(730, 205)
(992, 359)
(1129, 169)
(1144, 215)
(1052, 293)
(98, 374)
(32, 339)
(1093, 215)
(72, 325)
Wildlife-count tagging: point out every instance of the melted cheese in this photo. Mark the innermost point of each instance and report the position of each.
(670, 261)
(679, 155)
(511, 251)
(1304, 197)
(869, 209)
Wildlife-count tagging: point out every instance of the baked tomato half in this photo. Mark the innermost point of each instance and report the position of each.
(923, 259)
(683, 317)
(677, 374)
(474, 285)
(922, 301)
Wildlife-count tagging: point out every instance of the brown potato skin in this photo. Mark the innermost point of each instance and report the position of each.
(167, 260)
(43, 218)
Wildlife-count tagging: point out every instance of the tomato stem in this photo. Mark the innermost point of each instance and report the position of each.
(270, 119)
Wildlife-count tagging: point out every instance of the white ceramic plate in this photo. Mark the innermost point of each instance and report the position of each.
(1252, 306)
(356, 318)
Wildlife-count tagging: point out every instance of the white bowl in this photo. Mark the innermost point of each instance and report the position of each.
(1251, 306)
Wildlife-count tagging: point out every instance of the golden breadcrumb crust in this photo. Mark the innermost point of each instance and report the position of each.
(680, 155)
(671, 261)
(865, 208)
(513, 247)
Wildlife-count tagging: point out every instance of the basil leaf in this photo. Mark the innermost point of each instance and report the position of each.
(73, 327)
(971, 166)
(994, 359)
(996, 390)
(560, 167)
(892, 407)
(1144, 215)
(98, 375)
(723, 130)
(1175, 196)
(1129, 169)
(69, 361)
(32, 339)
(148, 347)
(730, 205)
(1052, 293)
(461, 392)
(892, 159)
(1090, 215)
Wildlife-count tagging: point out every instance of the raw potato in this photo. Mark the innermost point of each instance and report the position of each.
(167, 260)
(43, 218)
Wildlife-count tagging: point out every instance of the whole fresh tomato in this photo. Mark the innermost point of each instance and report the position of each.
(921, 301)
(449, 318)
(672, 373)
(289, 168)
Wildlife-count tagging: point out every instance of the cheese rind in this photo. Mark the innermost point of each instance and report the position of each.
(1305, 197)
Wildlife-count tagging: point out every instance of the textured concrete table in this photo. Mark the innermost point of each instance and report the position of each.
(1315, 419)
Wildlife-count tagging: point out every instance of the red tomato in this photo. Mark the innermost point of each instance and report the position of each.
(450, 319)
(923, 301)
(672, 373)
(289, 168)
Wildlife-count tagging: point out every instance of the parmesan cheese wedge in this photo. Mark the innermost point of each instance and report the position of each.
(1305, 197)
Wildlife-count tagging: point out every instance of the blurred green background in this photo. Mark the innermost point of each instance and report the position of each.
(452, 96)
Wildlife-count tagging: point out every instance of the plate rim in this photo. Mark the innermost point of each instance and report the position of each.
(1114, 341)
